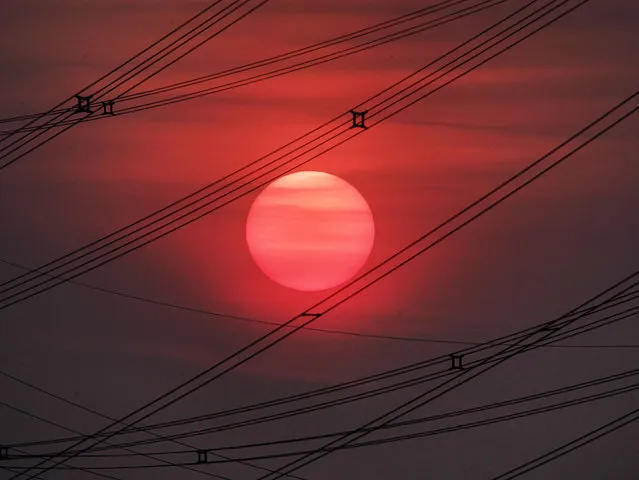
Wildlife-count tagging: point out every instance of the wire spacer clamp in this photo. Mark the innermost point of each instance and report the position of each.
(359, 119)
(108, 108)
(84, 103)
(457, 362)
(202, 456)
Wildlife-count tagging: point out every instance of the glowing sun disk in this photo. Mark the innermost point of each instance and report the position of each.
(310, 231)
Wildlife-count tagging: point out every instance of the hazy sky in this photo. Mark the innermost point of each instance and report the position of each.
(544, 251)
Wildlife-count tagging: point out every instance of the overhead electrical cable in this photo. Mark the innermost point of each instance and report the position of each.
(325, 310)
(531, 341)
(321, 308)
(509, 417)
(131, 452)
(41, 270)
(464, 376)
(549, 330)
(14, 150)
(46, 274)
(302, 64)
(378, 389)
(571, 446)
(350, 333)
(397, 425)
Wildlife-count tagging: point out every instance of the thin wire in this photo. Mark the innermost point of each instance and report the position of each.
(226, 177)
(394, 425)
(139, 54)
(101, 415)
(21, 155)
(599, 133)
(429, 395)
(217, 376)
(569, 447)
(43, 282)
(70, 112)
(579, 313)
(393, 439)
(424, 26)
(372, 336)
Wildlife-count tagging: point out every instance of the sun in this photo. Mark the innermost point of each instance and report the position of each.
(310, 231)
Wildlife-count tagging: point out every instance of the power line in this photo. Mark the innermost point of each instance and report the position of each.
(575, 444)
(44, 269)
(18, 146)
(464, 376)
(313, 313)
(416, 421)
(537, 341)
(372, 336)
(300, 65)
(369, 443)
(194, 209)
(310, 312)
(366, 430)
(101, 415)
(537, 176)
(468, 354)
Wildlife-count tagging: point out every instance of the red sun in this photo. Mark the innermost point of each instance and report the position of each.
(310, 231)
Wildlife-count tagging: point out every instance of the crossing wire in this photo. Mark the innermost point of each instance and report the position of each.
(381, 441)
(477, 7)
(32, 136)
(394, 425)
(317, 315)
(115, 69)
(372, 379)
(556, 325)
(571, 446)
(254, 354)
(422, 399)
(131, 452)
(47, 269)
(373, 336)
(550, 327)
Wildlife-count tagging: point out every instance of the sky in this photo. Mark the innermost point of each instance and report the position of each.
(544, 251)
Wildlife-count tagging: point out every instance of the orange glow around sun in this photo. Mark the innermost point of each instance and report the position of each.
(310, 231)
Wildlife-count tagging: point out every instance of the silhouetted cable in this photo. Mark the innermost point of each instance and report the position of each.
(26, 140)
(205, 188)
(71, 111)
(509, 417)
(366, 430)
(132, 59)
(396, 372)
(422, 12)
(299, 66)
(51, 123)
(304, 314)
(183, 218)
(566, 448)
(255, 348)
(101, 415)
(416, 421)
(464, 376)
(87, 470)
(373, 336)
(488, 357)
(288, 55)
(18, 470)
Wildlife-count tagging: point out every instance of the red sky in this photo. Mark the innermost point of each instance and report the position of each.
(558, 242)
